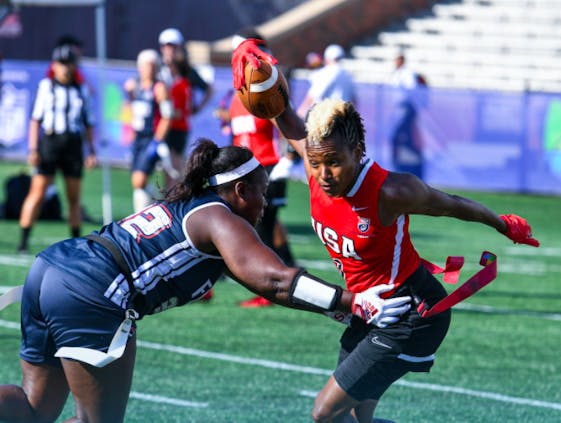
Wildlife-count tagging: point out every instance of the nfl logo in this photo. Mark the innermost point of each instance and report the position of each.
(363, 224)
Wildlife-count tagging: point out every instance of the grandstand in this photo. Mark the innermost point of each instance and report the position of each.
(480, 44)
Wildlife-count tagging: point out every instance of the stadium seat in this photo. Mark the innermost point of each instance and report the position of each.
(501, 44)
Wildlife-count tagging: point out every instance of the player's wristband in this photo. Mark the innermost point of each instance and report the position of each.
(313, 292)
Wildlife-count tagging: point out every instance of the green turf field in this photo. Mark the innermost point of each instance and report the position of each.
(217, 362)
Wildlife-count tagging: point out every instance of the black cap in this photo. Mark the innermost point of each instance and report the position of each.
(64, 54)
(68, 39)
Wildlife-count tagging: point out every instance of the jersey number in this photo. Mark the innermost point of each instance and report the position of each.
(147, 223)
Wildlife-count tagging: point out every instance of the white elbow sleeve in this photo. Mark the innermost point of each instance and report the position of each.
(313, 292)
(166, 109)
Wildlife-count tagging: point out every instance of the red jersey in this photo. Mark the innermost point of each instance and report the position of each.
(363, 250)
(253, 133)
(181, 97)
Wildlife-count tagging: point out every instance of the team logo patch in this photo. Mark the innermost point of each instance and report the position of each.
(363, 224)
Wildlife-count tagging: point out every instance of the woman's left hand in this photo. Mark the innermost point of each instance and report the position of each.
(91, 161)
(518, 230)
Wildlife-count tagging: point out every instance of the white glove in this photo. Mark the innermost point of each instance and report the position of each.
(164, 155)
(370, 307)
(281, 169)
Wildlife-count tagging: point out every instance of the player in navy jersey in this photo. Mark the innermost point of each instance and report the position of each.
(361, 212)
(151, 113)
(82, 296)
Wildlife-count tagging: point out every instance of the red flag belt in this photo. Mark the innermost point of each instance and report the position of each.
(467, 289)
(451, 271)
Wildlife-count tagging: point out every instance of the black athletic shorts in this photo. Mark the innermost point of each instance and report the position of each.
(177, 140)
(276, 191)
(372, 358)
(61, 151)
(276, 197)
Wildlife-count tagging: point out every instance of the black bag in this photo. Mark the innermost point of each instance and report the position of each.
(17, 188)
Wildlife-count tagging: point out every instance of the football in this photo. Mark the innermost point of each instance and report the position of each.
(265, 92)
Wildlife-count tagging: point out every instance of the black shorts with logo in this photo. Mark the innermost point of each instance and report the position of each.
(372, 358)
(61, 151)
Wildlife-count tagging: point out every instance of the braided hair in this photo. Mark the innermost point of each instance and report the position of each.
(206, 160)
(331, 117)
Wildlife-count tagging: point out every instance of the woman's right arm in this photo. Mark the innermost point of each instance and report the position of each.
(260, 270)
(292, 127)
(250, 261)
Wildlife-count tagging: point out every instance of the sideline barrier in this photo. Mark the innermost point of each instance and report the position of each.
(480, 140)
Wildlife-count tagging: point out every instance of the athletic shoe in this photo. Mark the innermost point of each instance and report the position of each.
(208, 296)
(256, 302)
(22, 250)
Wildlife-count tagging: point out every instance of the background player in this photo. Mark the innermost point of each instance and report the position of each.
(61, 121)
(172, 50)
(151, 113)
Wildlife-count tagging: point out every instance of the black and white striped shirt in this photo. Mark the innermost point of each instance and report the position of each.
(62, 108)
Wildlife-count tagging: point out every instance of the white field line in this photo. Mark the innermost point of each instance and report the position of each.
(530, 251)
(481, 308)
(277, 365)
(232, 358)
(136, 395)
(167, 400)
(468, 392)
(16, 260)
(520, 267)
(524, 267)
(317, 371)
(6, 288)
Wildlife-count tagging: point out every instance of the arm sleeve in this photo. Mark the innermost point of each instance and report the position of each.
(88, 114)
(43, 90)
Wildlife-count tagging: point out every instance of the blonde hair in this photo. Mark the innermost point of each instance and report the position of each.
(148, 56)
(330, 117)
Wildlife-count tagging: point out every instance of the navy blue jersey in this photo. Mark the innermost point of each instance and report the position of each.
(167, 269)
(145, 111)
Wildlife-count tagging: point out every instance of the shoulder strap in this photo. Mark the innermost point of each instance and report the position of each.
(117, 256)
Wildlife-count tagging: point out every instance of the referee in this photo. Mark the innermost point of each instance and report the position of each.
(60, 121)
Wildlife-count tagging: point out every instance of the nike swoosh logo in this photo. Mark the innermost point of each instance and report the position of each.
(376, 341)
(355, 209)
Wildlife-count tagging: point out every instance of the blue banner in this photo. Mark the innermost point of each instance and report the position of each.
(466, 139)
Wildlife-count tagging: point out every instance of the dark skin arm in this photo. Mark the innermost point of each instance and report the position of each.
(401, 193)
(292, 127)
(216, 229)
(404, 193)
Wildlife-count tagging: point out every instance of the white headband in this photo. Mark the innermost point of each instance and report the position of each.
(232, 175)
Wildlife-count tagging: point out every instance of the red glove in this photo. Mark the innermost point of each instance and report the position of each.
(518, 229)
(248, 51)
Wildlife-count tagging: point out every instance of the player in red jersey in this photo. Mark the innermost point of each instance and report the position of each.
(361, 214)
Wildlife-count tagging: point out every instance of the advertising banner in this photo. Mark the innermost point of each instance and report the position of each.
(463, 139)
